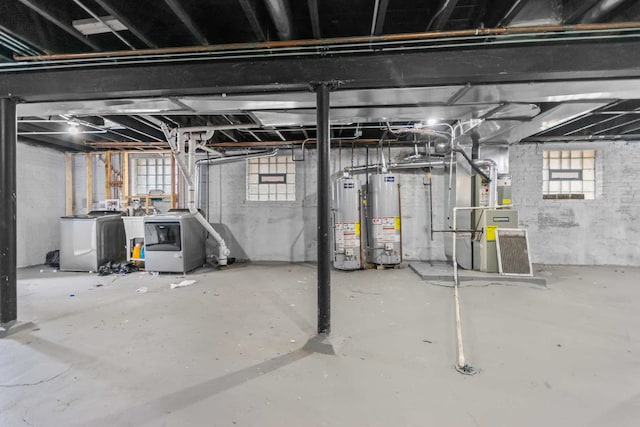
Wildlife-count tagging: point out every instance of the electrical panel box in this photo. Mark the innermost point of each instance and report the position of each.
(487, 221)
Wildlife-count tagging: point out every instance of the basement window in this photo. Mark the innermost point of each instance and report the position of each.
(271, 179)
(152, 174)
(569, 174)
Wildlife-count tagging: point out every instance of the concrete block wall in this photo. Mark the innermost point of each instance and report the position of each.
(40, 175)
(604, 231)
(286, 231)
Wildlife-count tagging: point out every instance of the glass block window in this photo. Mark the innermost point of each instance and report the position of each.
(569, 174)
(152, 173)
(271, 179)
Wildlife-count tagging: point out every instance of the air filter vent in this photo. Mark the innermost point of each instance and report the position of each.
(513, 252)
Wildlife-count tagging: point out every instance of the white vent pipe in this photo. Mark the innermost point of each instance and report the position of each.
(196, 137)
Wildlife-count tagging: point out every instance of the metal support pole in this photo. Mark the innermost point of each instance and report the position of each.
(324, 210)
(8, 135)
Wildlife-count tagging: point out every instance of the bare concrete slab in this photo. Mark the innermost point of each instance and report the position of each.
(229, 350)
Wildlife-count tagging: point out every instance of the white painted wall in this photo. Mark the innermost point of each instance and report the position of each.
(584, 232)
(40, 174)
(286, 231)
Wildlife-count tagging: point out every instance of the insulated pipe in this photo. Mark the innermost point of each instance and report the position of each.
(8, 262)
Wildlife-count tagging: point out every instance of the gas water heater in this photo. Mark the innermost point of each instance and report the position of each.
(383, 215)
(347, 241)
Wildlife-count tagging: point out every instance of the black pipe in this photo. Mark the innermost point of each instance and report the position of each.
(473, 165)
(324, 210)
(8, 283)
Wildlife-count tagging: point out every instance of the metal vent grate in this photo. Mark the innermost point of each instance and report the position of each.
(513, 252)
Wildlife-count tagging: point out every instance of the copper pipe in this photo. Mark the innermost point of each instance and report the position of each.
(480, 32)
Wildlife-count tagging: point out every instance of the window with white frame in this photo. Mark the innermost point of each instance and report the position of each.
(152, 174)
(271, 179)
(569, 174)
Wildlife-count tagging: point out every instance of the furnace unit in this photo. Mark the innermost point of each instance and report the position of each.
(174, 242)
(485, 256)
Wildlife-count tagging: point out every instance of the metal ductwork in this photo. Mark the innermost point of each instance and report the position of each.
(281, 15)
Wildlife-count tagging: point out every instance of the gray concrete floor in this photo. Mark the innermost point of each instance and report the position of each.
(227, 351)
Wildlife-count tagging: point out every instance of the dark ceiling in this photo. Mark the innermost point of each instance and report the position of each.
(40, 31)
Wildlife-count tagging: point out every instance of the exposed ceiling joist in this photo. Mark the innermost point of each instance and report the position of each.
(56, 143)
(105, 23)
(60, 24)
(478, 20)
(314, 16)
(188, 22)
(379, 15)
(441, 17)
(127, 23)
(137, 127)
(248, 6)
(17, 44)
(512, 13)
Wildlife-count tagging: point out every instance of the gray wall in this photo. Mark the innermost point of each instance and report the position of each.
(286, 231)
(40, 202)
(586, 232)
